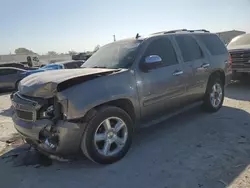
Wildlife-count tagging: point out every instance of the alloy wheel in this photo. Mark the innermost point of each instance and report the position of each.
(110, 136)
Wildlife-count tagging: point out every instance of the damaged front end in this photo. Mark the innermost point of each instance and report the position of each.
(41, 111)
(41, 122)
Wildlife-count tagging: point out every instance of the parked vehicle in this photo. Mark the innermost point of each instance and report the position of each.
(124, 85)
(81, 56)
(56, 66)
(16, 65)
(10, 77)
(239, 48)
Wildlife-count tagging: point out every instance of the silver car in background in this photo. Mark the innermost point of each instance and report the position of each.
(10, 77)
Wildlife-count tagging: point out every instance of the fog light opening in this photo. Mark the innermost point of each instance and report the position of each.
(48, 138)
(49, 144)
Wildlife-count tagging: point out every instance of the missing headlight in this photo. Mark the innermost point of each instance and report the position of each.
(48, 113)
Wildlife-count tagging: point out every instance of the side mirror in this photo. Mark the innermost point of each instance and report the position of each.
(151, 62)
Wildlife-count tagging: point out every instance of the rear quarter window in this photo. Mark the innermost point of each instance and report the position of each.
(213, 43)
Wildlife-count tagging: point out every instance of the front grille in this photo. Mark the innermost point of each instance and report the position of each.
(241, 57)
(24, 108)
(25, 115)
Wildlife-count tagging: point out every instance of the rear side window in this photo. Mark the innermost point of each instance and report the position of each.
(189, 48)
(163, 48)
(213, 43)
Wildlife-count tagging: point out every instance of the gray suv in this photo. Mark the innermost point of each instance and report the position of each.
(124, 85)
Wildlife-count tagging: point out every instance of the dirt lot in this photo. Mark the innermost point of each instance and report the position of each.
(194, 149)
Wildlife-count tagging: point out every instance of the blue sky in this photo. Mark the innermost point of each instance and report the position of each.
(63, 25)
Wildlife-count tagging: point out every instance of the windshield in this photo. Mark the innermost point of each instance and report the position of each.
(114, 55)
(240, 40)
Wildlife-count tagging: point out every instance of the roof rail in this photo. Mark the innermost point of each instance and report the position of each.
(181, 30)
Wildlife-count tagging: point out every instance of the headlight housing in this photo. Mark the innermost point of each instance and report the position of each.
(64, 108)
(48, 113)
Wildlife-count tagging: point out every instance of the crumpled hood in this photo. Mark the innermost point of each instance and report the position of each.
(44, 84)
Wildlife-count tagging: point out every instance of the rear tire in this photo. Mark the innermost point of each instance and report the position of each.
(103, 140)
(214, 96)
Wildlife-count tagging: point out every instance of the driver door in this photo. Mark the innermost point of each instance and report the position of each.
(160, 89)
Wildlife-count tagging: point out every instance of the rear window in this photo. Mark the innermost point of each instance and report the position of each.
(213, 43)
(189, 48)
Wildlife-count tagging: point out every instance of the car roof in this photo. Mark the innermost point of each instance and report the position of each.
(163, 33)
(12, 68)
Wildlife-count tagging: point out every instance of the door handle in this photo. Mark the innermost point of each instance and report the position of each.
(205, 65)
(177, 73)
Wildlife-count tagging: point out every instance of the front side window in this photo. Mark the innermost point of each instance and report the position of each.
(190, 50)
(119, 54)
(163, 48)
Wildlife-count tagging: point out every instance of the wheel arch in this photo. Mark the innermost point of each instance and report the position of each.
(220, 73)
(17, 83)
(124, 104)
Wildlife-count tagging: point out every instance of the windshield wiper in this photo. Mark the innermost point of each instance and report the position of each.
(99, 67)
(96, 67)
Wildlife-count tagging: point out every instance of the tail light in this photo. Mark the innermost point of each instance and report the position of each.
(230, 60)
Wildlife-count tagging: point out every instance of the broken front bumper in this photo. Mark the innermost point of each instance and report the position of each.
(68, 135)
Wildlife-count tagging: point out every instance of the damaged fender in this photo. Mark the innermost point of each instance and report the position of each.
(87, 95)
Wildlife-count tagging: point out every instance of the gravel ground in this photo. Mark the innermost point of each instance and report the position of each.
(193, 149)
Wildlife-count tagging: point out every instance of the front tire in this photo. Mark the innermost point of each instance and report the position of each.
(108, 135)
(214, 96)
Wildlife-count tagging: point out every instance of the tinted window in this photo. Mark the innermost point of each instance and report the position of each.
(8, 71)
(190, 50)
(163, 48)
(213, 44)
(78, 64)
(70, 65)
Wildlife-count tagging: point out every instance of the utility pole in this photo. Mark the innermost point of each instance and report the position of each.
(114, 38)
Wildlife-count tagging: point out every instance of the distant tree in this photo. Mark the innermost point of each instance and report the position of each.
(23, 51)
(51, 53)
(96, 48)
(72, 52)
